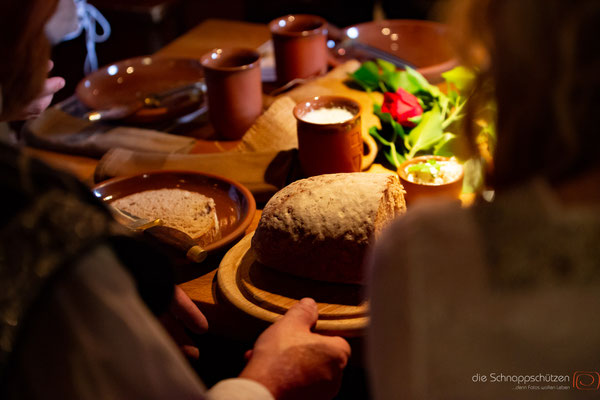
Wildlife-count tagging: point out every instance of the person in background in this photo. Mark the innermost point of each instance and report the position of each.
(497, 300)
(19, 84)
(79, 295)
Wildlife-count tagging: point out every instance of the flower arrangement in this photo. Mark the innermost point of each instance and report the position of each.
(416, 117)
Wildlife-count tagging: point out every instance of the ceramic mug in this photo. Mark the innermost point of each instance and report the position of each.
(234, 90)
(300, 43)
(331, 145)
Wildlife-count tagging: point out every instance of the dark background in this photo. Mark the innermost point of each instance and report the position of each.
(141, 27)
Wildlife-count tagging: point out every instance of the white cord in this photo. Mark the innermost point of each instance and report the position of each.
(88, 17)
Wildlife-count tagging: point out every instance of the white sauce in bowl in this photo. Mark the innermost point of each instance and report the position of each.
(446, 171)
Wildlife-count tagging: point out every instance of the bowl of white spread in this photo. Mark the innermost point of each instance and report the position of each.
(428, 176)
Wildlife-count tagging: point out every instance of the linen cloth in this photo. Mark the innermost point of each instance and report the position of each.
(61, 128)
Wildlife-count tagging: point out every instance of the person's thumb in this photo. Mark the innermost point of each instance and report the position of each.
(302, 314)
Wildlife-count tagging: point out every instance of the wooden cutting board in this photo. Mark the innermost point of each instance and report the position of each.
(267, 294)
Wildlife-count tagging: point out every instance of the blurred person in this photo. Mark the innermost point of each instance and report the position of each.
(14, 84)
(498, 300)
(25, 92)
(79, 294)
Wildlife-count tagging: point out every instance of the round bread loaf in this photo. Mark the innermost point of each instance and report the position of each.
(321, 227)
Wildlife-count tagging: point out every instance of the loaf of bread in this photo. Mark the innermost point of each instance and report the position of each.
(320, 227)
(190, 212)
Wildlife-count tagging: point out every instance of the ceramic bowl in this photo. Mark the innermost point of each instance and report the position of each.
(234, 203)
(423, 44)
(418, 191)
(127, 81)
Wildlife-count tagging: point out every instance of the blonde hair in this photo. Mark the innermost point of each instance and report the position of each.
(24, 51)
(542, 59)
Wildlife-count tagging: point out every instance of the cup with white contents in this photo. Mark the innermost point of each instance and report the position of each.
(329, 135)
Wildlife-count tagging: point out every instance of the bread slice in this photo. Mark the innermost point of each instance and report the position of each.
(190, 212)
(321, 227)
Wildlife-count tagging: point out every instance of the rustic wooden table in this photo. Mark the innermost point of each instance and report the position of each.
(204, 37)
(197, 281)
(231, 330)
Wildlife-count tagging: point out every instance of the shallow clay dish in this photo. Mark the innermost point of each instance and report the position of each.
(423, 44)
(417, 191)
(234, 202)
(127, 81)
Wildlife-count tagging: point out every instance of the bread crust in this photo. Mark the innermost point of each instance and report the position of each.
(321, 227)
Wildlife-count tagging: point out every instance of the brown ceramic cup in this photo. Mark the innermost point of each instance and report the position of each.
(300, 43)
(234, 89)
(326, 148)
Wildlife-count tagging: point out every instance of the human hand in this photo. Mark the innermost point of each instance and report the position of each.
(40, 103)
(182, 314)
(295, 363)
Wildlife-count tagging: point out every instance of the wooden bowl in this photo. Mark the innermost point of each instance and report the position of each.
(234, 203)
(423, 44)
(418, 191)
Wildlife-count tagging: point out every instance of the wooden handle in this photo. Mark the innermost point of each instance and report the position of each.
(178, 240)
(370, 155)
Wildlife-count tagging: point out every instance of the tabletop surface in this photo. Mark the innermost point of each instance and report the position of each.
(198, 281)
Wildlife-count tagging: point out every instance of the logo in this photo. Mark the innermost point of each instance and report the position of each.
(586, 380)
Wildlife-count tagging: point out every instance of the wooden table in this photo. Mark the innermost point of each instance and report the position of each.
(198, 281)
(204, 37)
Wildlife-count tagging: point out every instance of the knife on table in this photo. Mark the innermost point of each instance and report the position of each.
(156, 229)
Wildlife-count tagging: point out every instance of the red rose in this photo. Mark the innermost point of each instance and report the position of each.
(402, 106)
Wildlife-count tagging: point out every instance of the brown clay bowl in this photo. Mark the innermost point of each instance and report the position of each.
(234, 203)
(423, 44)
(418, 191)
(127, 81)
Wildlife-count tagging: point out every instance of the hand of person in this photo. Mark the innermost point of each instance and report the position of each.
(182, 314)
(40, 103)
(295, 363)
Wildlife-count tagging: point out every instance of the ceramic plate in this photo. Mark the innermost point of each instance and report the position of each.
(234, 202)
(423, 44)
(127, 81)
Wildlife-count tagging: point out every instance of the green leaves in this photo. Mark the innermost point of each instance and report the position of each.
(425, 135)
(367, 76)
(383, 76)
(434, 132)
(460, 77)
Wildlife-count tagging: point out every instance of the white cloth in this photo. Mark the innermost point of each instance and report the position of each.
(63, 22)
(99, 341)
(71, 18)
(515, 292)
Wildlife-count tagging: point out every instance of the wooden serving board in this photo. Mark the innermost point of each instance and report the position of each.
(267, 294)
